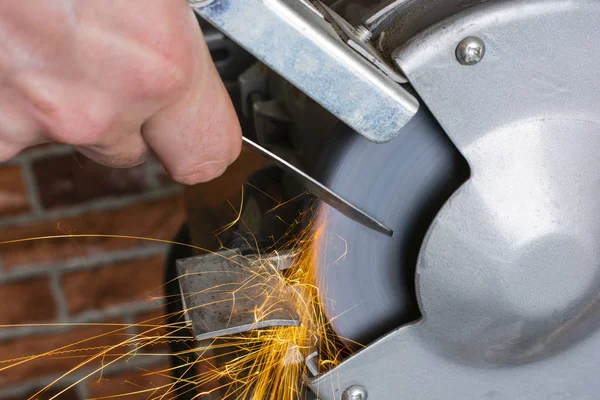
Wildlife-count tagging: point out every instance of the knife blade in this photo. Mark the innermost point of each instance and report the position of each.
(321, 191)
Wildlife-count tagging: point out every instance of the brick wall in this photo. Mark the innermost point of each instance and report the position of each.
(50, 190)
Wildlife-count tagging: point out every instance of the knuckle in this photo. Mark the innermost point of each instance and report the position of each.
(8, 150)
(127, 160)
(74, 132)
(164, 79)
(175, 52)
(168, 73)
(199, 173)
(84, 127)
(70, 111)
(175, 76)
(131, 159)
(223, 135)
(127, 152)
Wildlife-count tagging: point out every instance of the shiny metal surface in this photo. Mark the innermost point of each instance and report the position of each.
(355, 392)
(407, 19)
(323, 192)
(357, 38)
(509, 272)
(384, 13)
(293, 40)
(362, 33)
(470, 50)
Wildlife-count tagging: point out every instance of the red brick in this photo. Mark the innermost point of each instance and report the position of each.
(26, 301)
(70, 394)
(97, 339)
(13, 194)
(152, 383)
(158, 219)
(73, 179)
(113, 284)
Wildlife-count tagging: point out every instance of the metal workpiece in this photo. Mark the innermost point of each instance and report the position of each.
(508, 274)
(322, 192)
(226, 293)
(293, 40)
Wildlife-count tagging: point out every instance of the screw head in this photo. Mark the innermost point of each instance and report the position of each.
(470, 50)
(355, 392)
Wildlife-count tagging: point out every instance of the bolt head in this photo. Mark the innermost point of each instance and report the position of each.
(355, 392)
(470, 50)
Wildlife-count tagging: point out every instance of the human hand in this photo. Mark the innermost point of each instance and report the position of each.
(114, 78)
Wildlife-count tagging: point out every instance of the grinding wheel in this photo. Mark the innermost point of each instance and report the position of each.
(366, 279)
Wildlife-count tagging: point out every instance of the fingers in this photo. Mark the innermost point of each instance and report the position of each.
(128, 151)
(198, 136)
(116, 81)
(17, 129)
(8, 150)
(74, 113)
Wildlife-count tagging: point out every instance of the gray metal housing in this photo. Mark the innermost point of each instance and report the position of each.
(508, 275)
(295, 41)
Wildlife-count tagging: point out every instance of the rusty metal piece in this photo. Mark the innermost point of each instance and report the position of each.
(225, 293)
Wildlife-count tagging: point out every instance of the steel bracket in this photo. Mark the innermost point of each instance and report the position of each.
(293, 39)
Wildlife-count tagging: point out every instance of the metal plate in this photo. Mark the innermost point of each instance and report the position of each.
(508, 275)
(298, 44)
(225, 293)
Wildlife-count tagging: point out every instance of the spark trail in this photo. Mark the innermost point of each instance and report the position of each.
(257, 365)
